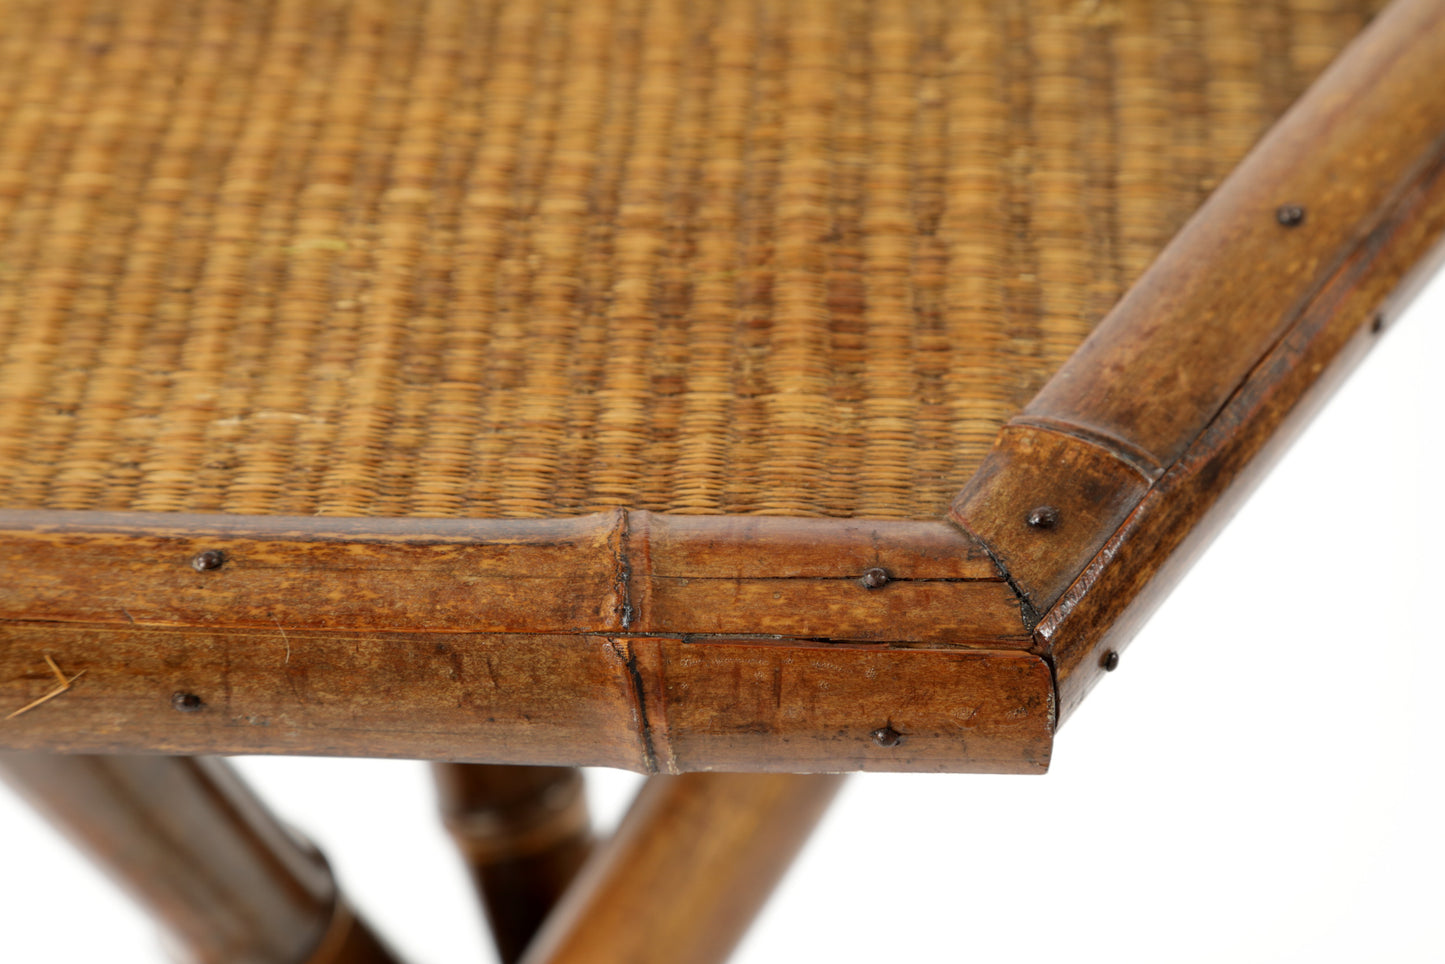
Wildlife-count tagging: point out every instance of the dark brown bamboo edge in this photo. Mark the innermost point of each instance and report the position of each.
(648, 642)
(661, 595)
(1110, 600)
(650, 704)
(619, 573)
(1254, 312)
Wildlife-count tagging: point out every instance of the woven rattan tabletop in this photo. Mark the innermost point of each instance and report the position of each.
(532, 259)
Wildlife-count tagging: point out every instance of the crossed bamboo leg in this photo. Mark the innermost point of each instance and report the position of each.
(188, 840)
(524, 833)
(692, 862)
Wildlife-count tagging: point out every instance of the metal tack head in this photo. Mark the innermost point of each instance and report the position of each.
(886, 736)
(874, 578)
(186, 702)
(1290, 215)
(1043, 517)
(1110, 662)
(208, 560)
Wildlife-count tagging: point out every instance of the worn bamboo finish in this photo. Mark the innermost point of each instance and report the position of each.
(1276, 280)
(661, 644)
(667, 643)
(524, 833)
(651, 704)
(613, 573)
(865, 374)
(1153, 549)
(692, 863)
(191, 843)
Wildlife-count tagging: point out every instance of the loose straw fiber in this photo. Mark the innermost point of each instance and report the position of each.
(532, 259)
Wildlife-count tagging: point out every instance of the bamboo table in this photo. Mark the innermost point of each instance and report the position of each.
(162, 599)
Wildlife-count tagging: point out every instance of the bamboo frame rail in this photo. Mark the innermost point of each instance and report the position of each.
(655, 644)
(668, 644)
(1259, 305)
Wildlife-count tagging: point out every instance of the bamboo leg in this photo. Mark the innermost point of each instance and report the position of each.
(691, 864)
(523, 832)
(189, 841)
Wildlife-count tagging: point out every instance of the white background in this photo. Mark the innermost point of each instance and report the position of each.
(1260, 781)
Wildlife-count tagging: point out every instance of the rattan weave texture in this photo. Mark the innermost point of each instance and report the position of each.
(527, 259)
